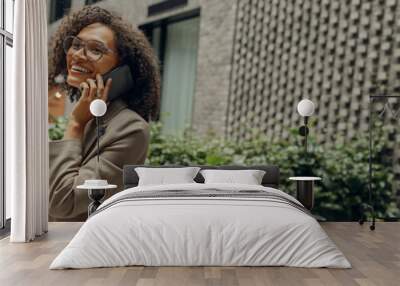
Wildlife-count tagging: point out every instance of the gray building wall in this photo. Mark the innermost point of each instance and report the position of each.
(330, 51)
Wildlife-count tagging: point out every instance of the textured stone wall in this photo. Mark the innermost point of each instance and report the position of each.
(330, 51)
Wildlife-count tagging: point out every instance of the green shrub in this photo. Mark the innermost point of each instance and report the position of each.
(343, 167)
(56, 131)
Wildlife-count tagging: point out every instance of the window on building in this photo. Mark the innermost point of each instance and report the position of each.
(175, 41)
(6, 63)
(58, 8)
(89, 2)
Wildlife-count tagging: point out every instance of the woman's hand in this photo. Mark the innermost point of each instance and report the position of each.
(81, 115)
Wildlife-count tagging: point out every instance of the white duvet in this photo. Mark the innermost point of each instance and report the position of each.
(200, 231)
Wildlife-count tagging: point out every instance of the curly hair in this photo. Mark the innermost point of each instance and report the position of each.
(133, 49)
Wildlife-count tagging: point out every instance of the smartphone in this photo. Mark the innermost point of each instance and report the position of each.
(122, 81)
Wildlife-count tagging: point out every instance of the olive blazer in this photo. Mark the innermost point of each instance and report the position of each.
(125, 140)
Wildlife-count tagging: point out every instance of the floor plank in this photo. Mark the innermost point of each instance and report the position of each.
(375, 257)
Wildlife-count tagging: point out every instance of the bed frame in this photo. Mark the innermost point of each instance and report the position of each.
(270, 179)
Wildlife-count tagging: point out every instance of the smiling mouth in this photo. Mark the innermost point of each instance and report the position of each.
(80, 69)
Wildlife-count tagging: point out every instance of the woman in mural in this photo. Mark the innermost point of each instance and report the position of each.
(88, 44)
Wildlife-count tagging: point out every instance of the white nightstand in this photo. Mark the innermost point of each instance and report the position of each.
(96, 194)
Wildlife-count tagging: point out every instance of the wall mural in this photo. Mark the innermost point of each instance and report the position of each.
(218, 84)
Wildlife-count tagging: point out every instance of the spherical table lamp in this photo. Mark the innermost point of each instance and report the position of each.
(98, 108)
(96, 187)
(305, 184)
(305, 108)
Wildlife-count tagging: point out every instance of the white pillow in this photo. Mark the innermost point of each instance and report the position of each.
(248, 177)
(162, 176)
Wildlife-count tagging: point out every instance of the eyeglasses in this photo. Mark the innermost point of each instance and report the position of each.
(92, 49)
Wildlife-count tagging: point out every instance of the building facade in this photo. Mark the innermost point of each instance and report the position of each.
(233, 66)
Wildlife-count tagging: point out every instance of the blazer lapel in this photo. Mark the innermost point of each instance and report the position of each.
(89, 137)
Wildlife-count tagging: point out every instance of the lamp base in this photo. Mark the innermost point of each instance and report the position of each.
(95, 195)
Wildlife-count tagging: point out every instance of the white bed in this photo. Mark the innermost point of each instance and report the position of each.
(205, 230)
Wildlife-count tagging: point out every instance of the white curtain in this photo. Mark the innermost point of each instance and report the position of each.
(26, 124)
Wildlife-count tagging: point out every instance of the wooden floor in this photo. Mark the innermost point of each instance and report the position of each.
(375, 257)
